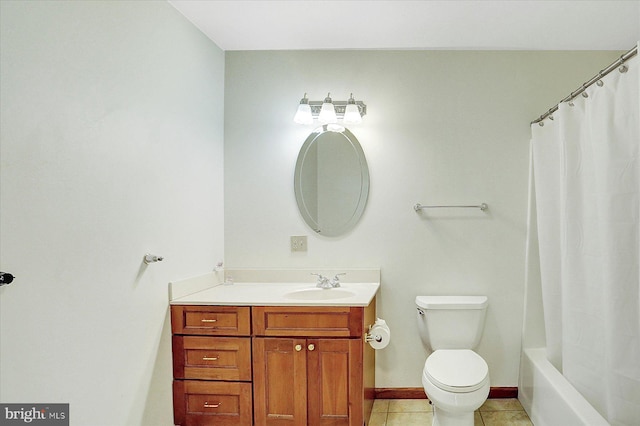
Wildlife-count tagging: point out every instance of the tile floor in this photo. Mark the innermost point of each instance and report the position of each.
(418, 412)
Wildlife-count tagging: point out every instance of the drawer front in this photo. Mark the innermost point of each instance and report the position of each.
(211, 320)
(212, 358)
(212, 403)
(307, 321)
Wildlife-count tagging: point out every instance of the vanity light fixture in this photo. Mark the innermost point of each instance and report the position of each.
(330, 111)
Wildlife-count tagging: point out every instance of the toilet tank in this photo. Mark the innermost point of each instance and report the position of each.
(451, 322)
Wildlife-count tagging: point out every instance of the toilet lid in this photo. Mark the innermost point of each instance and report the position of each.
(456, 370)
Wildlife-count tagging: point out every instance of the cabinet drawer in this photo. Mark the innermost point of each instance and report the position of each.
(211, 320)
(212, 358)
(308, 321)
(212, 403)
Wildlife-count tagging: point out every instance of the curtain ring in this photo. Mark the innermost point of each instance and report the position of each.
(600, 83)
(584, 91)
(623, 68)
(540, 123)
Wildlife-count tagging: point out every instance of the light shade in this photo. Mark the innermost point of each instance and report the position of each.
(303, 115)
(328, 111)
(352, 112)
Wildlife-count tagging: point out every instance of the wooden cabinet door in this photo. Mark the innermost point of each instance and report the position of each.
(334, 382)
(279, 381)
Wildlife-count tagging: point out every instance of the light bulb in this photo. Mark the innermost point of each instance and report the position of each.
(328, 111)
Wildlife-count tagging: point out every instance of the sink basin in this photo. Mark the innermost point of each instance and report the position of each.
(319, 294)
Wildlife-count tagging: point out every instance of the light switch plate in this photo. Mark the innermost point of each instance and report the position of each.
(298, 243)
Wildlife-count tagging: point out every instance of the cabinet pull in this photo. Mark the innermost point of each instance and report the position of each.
(208, 320)
(209, 358)
(207, 405)
(311, 347)
(298, 348)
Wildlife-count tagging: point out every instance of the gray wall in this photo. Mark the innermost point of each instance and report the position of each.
(111, 147)
(443, 127)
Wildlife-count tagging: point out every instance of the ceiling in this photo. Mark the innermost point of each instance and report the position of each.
(398, 24)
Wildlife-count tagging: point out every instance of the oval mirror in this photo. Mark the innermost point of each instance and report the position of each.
(331, 180)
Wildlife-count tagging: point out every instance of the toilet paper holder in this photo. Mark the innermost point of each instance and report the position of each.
(372, 337)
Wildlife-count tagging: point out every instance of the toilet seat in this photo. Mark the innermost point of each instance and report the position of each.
(456, 370)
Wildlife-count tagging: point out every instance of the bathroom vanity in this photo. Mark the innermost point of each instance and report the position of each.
(268, 353)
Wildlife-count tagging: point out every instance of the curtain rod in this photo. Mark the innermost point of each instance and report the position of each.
(628, 55)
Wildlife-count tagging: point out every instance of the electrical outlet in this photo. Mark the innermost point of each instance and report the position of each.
(299, 243)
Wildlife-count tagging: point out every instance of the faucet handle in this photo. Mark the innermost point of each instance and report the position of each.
(335, 282)
(322, 280)
(320, 276)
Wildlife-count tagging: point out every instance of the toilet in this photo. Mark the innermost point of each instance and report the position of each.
(455, 378)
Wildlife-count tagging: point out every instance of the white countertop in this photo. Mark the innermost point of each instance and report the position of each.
(282, 294)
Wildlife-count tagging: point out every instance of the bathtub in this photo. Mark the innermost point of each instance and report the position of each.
(548, 398)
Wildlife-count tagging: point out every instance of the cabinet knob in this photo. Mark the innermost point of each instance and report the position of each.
(298, 348)
(311, 346)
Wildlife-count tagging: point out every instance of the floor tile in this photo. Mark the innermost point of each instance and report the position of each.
(378, 419)
(409, 406)
(409, 412)
(505, 418)
(506, 404)
(409, 419)
(380, 405)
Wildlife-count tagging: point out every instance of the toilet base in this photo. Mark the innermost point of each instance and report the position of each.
(447, 418)
(455, 409)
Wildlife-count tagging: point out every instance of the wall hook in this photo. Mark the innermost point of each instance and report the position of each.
(152, 258)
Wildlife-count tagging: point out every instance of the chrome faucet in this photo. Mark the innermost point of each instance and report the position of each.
(324, 282)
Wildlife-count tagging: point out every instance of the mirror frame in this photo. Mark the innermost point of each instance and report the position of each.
(364, 187)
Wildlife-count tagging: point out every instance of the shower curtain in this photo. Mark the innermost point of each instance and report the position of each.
(586, 167)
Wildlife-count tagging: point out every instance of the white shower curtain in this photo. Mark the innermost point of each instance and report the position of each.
(587, 186)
